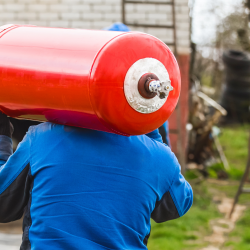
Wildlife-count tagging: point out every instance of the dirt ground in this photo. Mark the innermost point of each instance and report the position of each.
(11, 228)
(222, 227)
(11, 235)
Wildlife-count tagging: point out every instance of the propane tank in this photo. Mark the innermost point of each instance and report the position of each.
(126, 83)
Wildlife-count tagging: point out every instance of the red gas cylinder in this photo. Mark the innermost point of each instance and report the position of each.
(123, 83)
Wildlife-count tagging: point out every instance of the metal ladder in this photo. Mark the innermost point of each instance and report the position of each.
(178, 131)
(171, 27)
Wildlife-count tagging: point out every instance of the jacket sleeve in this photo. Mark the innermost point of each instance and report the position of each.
(175, 202)
(15, 178)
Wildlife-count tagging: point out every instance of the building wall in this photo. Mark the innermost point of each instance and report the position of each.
(97, 14)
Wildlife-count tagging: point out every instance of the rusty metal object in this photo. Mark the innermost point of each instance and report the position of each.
(143, 85)
(149, 86)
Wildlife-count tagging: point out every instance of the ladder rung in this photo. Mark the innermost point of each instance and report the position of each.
(246, 190)
(150, 25)
(149, 2)
(173, 131)
(169, 44)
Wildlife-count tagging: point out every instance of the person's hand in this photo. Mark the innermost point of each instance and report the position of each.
(6, 127)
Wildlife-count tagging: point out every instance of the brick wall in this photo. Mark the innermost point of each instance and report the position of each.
(97, 14)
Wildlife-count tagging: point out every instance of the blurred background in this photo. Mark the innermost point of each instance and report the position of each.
(209, 129)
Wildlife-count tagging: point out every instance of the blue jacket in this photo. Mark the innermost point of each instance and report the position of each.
(86, 189)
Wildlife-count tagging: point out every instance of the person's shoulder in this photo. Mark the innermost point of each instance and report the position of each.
(43, 128)
(153, 144)
(158, 149)
(54, 129)
(162, 153)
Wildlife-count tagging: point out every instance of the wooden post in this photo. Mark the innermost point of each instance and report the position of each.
(123, 12)
(244, 178)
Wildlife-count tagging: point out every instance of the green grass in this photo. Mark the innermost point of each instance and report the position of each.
(206, 80)
(186, 232)
(234, 141)
(240, 237)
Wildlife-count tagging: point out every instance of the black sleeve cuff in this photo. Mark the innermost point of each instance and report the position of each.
(165, 209)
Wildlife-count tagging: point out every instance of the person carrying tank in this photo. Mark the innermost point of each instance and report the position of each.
(85, 189)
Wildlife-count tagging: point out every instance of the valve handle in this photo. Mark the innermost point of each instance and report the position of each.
(149, 86)
(162, 89)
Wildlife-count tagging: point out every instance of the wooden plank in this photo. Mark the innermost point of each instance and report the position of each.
(221, 152)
